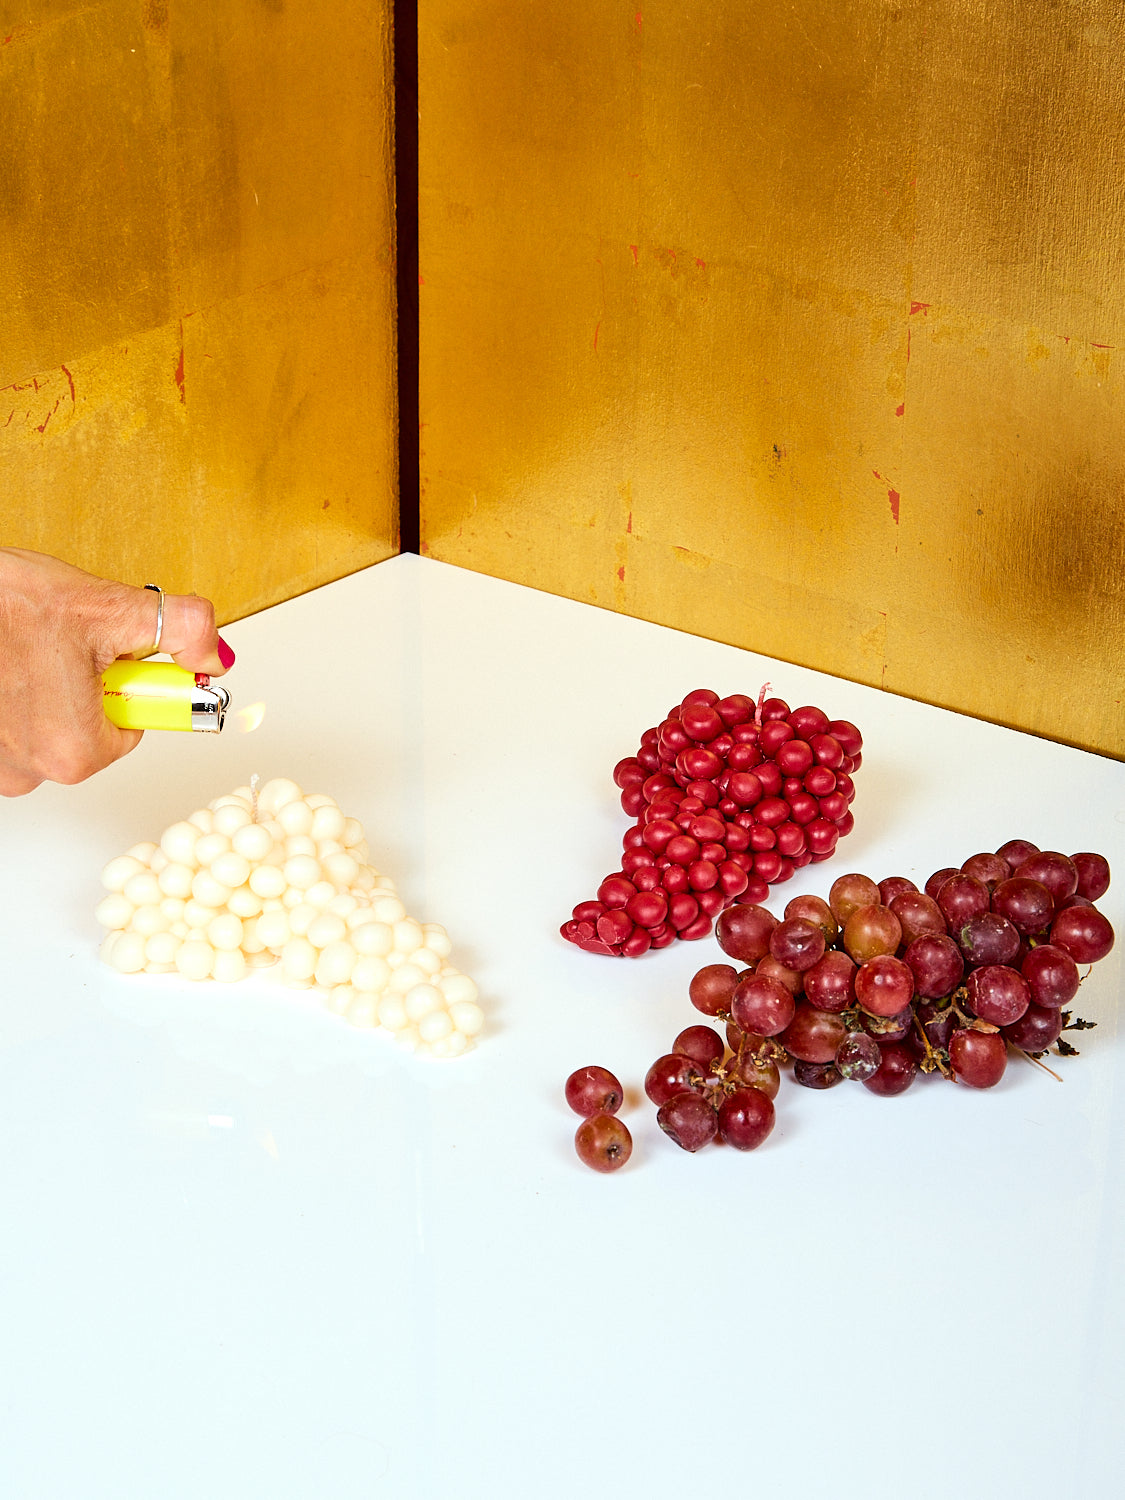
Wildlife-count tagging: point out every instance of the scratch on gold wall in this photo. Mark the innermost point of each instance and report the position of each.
(196, 273)
(798, 325)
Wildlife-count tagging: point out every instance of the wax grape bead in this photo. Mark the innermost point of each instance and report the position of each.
(1083, 932)
(675, 880)
(807, 721)
(682, 911)
(701, 721)
(847, 736)
(603, 1143)
(699, 928)
(1052, 976)
(647, 908)
(896, 1071)
(614, 927)
(637, 943)
(1093, 875)
(1037, 1029)
(736, 709)
(978, 1058)
(616, 891)
(768, 864)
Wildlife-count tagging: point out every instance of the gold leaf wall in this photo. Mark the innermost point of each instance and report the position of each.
(798, 324)
(197, 291)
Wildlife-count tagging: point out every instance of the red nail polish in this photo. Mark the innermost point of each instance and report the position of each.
(226, 655)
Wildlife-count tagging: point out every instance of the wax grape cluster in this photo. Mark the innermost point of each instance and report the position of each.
(730, 797)
(274, 877)
(882, 981)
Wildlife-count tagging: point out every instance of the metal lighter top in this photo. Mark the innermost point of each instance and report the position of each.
(162, 695)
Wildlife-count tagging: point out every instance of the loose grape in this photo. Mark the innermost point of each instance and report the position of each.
(602, 1142)
(593, 1090)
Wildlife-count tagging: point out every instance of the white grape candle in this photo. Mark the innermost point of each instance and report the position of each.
(272, 877)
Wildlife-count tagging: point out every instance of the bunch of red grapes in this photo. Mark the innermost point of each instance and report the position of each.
(883, 981)
(730, 797)
(877, 984)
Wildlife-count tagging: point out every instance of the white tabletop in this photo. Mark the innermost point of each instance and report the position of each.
(248, 1251)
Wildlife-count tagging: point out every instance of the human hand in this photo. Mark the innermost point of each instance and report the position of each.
(59, 630)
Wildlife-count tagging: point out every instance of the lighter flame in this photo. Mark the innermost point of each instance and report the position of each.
(249, 718)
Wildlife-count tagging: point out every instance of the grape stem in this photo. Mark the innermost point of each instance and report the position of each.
(1039, 1063)
(761, 700)
(933, 1059)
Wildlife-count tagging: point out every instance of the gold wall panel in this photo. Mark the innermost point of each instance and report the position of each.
(798, 324)
(197, 372)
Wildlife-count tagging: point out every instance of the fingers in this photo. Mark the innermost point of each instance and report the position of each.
(188, 636)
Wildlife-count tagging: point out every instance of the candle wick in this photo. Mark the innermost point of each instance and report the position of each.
(255, 783)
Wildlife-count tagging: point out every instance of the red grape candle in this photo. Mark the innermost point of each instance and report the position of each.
(730, 796)
(274, 877)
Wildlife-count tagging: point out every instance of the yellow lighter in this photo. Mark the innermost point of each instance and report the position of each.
(162, 695)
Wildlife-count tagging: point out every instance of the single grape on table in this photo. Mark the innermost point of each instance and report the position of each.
(730, 796)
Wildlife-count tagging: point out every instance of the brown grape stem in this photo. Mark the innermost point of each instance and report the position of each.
(1039, 1063)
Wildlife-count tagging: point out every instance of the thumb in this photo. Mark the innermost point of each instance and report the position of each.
(187, 630)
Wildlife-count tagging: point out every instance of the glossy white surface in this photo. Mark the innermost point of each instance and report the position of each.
(248, 1252)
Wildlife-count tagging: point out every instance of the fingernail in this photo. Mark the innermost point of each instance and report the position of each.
(226, 655)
